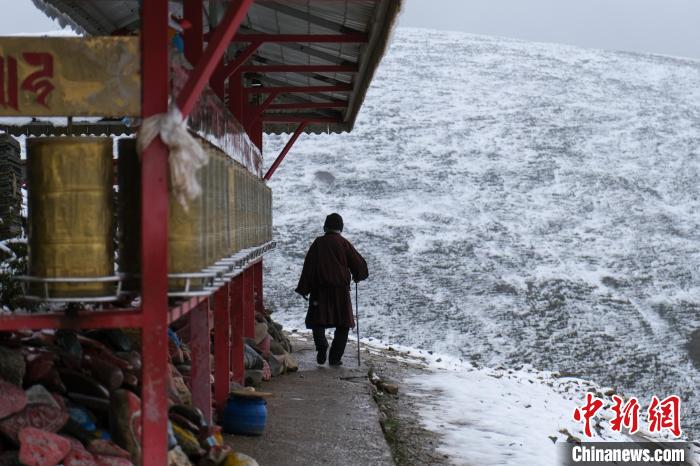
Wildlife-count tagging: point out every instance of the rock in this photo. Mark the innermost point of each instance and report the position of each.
(239, 459)
(101, 447)
(12, 365)
(77, 382)
(10, 458)
(277, 366)
(40, 416)
(291, 363)
(252, 360)
(106, 373)
(41, 448)
(260, 332)
(105, 460)
(253, 378)
(188, 442)
(13, 399)
(37, 394)
(176, 457)
(38, 366)
(389, 387)
(79, 458)
(125, 420)
(183, 393)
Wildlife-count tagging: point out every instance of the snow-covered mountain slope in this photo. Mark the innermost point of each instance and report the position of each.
(517, 203)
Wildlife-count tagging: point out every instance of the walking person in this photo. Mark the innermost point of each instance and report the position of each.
(330, 265)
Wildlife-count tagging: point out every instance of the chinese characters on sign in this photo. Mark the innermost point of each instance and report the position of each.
(70, 76)
(661, 414)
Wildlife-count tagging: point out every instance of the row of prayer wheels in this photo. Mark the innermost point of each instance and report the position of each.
(75, 217)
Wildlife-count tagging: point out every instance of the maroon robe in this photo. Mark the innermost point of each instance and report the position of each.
(329, 266)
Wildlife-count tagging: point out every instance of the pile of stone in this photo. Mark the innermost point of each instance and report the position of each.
(269, 353)
(72, 398)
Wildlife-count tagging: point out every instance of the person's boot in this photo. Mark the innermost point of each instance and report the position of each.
(321, 355)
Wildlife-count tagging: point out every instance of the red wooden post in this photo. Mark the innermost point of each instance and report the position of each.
(258, 285)
(236, 313)
(222, 343)
(236, 96)
(200, 344)
(218, 43)
(193, 37)
(248, 304)
(154, 234)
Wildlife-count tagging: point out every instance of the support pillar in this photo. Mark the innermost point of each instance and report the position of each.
(237, 334)
(154, 234)
(222, 342)
(258, 286)
(248, 303)
(200, 344)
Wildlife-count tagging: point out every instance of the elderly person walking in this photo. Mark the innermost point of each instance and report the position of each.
(331, 263)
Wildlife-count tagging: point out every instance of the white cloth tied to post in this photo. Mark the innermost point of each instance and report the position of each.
(186, 154)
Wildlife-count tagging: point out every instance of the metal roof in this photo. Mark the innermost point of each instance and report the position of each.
(334, 110)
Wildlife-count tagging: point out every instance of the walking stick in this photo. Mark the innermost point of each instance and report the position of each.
(357, 323)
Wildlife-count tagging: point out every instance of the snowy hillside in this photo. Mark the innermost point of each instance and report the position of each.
(518, 203)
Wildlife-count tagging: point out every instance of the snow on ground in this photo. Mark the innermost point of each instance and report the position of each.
(518, 204)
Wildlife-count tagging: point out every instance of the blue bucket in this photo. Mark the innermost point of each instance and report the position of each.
(245, 416)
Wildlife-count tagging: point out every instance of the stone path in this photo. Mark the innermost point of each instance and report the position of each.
(320, 415)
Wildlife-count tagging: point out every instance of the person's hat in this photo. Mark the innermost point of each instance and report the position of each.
(333, 222)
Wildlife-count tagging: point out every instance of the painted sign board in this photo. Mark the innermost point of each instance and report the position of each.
(70, 76)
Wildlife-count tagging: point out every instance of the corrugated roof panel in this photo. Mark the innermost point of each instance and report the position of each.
(372, 17)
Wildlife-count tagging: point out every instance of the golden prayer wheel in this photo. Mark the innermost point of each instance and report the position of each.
(231, 173)
(186, 245)
(71, 216)
(268, 214)
(221, 209)
(129, 229)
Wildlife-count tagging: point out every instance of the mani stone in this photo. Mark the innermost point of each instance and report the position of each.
(13, 399)
(12, 365)
(41, 448)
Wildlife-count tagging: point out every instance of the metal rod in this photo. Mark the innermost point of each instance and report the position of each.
(286, 149)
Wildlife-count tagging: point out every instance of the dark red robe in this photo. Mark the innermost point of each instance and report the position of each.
(331, 263)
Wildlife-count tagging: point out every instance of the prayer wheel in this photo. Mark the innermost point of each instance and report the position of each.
(186, 243)
(70, 215)
(231, 173)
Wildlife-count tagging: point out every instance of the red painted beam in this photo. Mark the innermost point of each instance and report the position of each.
(154, 236)
(297, 89)
(222, 347)
(258, 285)
(232, 66)
(200, 345)
(116, 318)
(237, 331)
(292, 118)
(286, 149)
(218, 44)
(248, 304)
(304, 38)
(299, 69)
(309, 105)
(184, 308)
(257, 111)
(194, 36)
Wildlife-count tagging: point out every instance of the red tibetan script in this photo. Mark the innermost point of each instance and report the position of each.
(38, 82)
